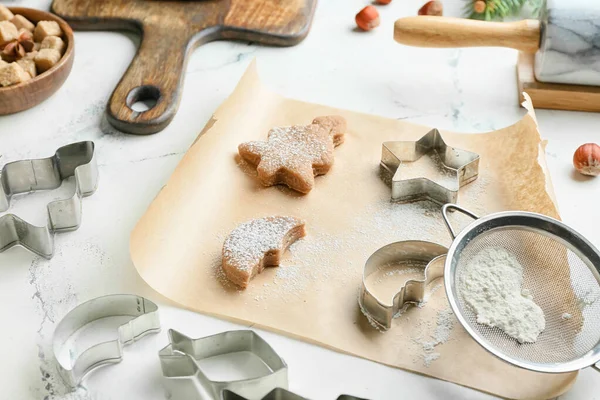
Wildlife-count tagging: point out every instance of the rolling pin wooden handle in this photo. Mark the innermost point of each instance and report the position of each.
(155, 75)
(429, 31)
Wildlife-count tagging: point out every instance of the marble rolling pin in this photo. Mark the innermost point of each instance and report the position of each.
(565, 39)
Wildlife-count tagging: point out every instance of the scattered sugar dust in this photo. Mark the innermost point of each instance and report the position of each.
(289, 279)
(429, 358)
(444, 324)
(430, 291)
(392, 269)
(588, 297)
(432, 167)
(309, 260)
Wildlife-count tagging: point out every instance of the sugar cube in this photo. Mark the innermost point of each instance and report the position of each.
(31, 55)
(8, 32)
(5, 14)
(22, 23)
(46, 28)
(12, 74)
(46, 59)
(53, 42)
(28, 66)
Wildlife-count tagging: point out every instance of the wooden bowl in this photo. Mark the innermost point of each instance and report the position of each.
(27, 94)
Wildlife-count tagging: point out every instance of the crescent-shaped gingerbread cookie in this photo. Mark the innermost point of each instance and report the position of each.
(294, 155)
(257, 244)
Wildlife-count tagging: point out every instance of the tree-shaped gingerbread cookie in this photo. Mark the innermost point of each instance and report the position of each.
(294, 155)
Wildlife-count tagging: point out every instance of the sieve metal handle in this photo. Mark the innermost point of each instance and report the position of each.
(448, 207)
(596, 366)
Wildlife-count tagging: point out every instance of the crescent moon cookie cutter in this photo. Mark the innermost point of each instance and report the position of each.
(185, 378)
(427, 255)
(76, 159)
(144, 321)
(455, 169)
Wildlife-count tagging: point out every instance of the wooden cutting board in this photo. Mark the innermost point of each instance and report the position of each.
(170, 30)
(553, 95)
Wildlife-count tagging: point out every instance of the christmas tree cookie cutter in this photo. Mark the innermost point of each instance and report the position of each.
(430, 256)
(464, 164)
(76, 159)
(144, 321)
(185, 379)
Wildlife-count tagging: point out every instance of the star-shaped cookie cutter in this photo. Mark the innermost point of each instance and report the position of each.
(464, 164)
(185, 379)
(76, 159)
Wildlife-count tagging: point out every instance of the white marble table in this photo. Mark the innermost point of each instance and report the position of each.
(469, 90)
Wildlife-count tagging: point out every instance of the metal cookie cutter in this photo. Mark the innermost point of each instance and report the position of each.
(348, 397)
(76, 159)
(280, 394)
(185, 379)
(464, 164)
(145, 320)
(420, 253)
(275, 394)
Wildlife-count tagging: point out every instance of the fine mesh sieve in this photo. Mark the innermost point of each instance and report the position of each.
(561, 270)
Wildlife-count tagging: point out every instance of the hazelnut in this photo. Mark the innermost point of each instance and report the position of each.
(479, 6)
(367, 18)
(383, 1)
(587, 159)
(433, 7)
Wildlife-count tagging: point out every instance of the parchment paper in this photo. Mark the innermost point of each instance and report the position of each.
(312, 296)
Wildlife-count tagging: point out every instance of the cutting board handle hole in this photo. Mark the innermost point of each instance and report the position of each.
(143, 98)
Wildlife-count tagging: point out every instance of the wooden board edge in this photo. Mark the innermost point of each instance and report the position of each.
(551, 95)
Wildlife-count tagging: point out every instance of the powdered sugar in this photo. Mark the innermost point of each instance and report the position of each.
(444, 324)
(248, 243)
(299, 152)
(435, 287)
(334, 252)
(309, 262)
(491, 284)
(393, 269)
(293, 145)
(430, 166)
(588, 297)
(294, 155)
(429, 358)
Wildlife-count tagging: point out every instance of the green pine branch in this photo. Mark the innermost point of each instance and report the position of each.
(499, 9)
